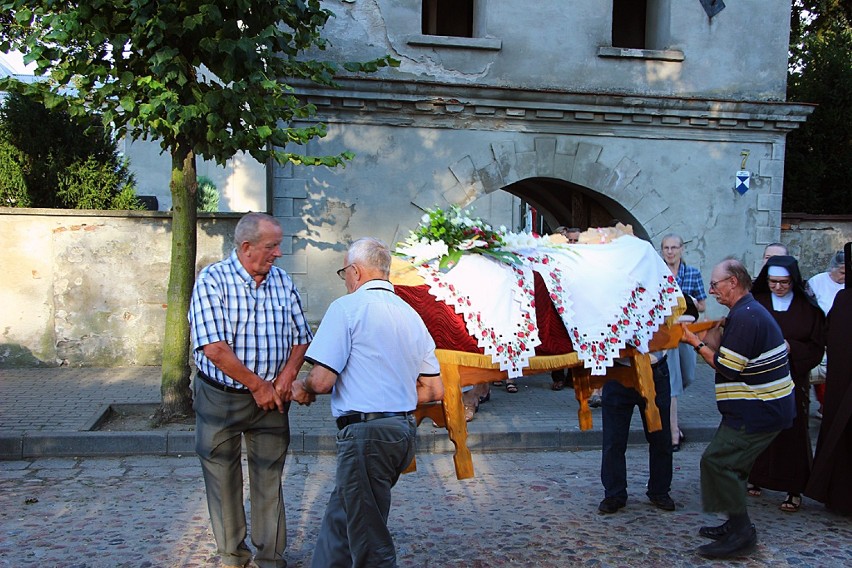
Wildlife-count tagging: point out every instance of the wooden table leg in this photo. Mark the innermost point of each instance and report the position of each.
(581, 376)
(433, 410)
(645, 385)
(455, 422)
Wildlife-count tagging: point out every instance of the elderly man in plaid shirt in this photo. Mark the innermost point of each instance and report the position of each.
(681, 359)
(249, 338)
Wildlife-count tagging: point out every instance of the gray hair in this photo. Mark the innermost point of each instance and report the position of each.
(838, 260)
(671, 236)
(371, 253)
(776, 245)
(736, 269)
(248, 228)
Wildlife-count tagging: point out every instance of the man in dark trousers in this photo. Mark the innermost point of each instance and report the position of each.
(374, 354)
(754, 393)
(618, 404)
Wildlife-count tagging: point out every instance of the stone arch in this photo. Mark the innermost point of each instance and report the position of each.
(577, 163)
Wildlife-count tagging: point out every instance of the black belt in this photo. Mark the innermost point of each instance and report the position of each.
(347, 419)
(219, 386)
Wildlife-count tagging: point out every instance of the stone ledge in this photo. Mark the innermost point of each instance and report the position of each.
(475, 43)
(649, 54)
(441, 105)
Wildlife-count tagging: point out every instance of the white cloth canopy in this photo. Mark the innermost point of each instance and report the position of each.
(609, 296)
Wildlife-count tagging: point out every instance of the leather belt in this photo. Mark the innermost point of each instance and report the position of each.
(355, 418)
(219, 386)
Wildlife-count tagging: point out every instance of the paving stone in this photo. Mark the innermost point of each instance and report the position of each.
(522, 509)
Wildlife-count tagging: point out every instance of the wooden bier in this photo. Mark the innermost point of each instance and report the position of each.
(459, 368)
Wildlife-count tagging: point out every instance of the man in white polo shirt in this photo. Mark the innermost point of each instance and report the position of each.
(376, 357)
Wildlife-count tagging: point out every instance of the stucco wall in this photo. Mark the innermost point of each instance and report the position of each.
(89, 288)
(661, 177)
(540, 104)
(241, 182)
(556, 44)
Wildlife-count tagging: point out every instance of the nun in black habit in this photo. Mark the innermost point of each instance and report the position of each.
(831, 477)
(786, 464)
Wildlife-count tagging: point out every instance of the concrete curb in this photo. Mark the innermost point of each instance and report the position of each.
(182, 442)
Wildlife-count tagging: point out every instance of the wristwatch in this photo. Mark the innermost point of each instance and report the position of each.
(699, 346)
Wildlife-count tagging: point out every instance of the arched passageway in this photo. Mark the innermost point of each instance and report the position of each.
(560, 202)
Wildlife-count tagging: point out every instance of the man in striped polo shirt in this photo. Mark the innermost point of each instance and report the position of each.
(754, 393)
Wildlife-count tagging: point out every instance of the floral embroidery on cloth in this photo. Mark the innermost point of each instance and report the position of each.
(609, 296)
(499, 315)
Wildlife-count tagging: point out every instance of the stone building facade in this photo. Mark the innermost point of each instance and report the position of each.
(587, 114)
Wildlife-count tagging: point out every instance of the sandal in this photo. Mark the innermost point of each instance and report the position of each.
(511, 387)
(680, 440)
(792, 503)
(469, 411)
(753, 490)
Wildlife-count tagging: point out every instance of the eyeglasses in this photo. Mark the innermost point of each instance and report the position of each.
(342, 272)
(713, 285)
(783, 283)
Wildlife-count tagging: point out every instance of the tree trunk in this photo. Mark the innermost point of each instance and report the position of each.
(177, 397)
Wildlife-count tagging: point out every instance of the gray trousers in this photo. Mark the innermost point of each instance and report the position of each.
(370, 458)
(725, 466)
(222, 420)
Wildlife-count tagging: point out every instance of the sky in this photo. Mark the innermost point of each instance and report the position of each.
(15, 62)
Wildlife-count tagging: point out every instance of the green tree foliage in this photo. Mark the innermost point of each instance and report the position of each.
(49, 151)
(206, 78)
(819, 154)
(90, 184)
(13, 188)
(208, 195)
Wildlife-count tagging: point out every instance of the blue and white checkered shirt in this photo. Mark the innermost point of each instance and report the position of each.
(689, 280)
(259, 322)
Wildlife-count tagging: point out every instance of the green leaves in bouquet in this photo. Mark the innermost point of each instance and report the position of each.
(451, 259)
(501, 255)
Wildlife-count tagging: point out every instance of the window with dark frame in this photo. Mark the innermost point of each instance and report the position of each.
(628, 23)
(452, 18)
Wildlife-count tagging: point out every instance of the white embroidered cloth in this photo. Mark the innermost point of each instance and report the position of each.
(609, 296)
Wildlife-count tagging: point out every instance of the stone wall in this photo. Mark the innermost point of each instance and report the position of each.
(89, 288)
(813, 239)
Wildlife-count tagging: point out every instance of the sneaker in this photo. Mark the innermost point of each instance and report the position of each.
(663, 502)
(611, 504)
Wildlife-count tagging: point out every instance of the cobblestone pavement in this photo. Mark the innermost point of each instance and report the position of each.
(522, 509)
